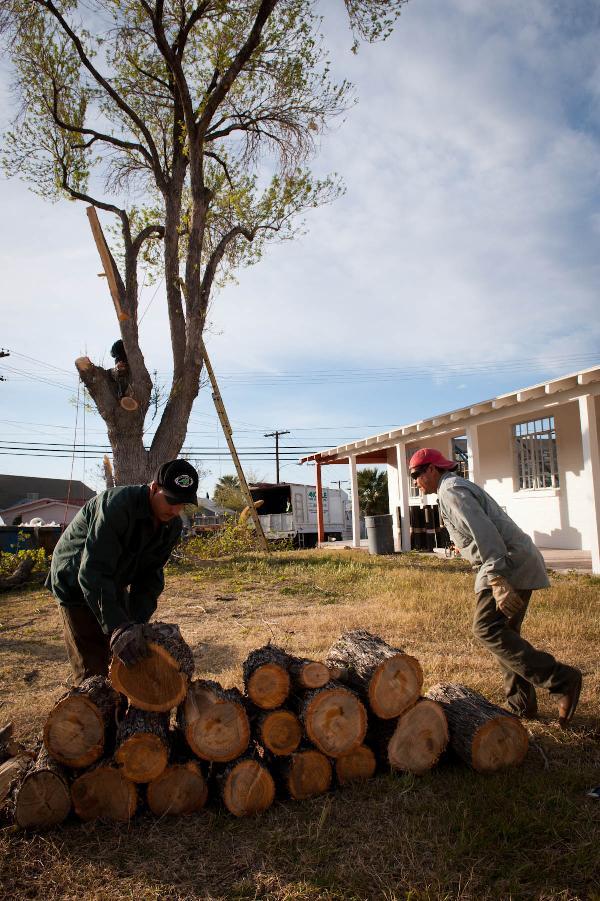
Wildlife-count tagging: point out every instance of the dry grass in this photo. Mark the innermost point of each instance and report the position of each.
(452, 834)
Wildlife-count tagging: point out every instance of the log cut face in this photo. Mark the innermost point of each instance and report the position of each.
(419, 739)
(334, 719)
(214, 721)
(266, 677)
(389, 680)
(43, 798)
(308, 673)
(103, 793)
(180, 789)
(75, 731)
(306, 773)
(357, 766)
(160, 681)
(484, 735)
(247, 787)
(279, 731)
(142, 744)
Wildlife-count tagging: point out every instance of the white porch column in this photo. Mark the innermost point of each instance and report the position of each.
(403, 494)
(473, 454)
(355, 504)
(591, 473)
(394, 495)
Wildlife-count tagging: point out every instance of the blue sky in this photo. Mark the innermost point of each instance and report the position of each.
(462, 261)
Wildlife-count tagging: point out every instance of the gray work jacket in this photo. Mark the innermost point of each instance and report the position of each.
(487, 537)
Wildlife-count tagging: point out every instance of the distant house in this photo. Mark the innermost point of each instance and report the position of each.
(24, 498)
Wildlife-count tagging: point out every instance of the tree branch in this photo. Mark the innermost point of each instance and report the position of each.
(171, 58)
(222, 163)
(145, 233)
(217, 255)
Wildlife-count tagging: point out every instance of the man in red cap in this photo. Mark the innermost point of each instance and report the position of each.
(509, 567)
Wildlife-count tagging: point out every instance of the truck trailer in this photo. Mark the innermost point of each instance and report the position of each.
(290, 511)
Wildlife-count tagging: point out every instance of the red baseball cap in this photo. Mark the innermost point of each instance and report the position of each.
(427, 455)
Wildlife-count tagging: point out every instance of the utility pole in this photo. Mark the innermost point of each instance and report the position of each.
(276, 435)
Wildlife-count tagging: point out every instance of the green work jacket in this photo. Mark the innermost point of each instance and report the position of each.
(112, 544)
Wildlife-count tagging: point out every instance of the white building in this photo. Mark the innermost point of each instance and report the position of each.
(535, 450)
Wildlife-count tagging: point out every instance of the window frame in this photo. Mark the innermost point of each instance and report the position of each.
(535, 455)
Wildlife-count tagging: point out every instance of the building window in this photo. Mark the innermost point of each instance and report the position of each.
(33, 496)
(460, 455)
(535, 451)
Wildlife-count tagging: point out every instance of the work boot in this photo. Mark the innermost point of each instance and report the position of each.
(567, 703)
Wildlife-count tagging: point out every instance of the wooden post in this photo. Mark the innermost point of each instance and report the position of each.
(355, 502)
(107, 262)
(320, 518)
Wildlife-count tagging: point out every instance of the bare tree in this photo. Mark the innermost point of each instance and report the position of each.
(191, 122)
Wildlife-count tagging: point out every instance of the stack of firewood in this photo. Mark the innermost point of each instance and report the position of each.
(152, 731)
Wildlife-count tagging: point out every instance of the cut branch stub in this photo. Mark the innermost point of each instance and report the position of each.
(484, 735)
(180, 789)
(247, 787)
(104, 793)
(214, 721)
(142, 744)
(419, 739)
(389, 680)
(42, 799)
(305, 774)
(334, 719)
(279, 731)
(266, 676)
(75, 731)
(357, 766)
(160, 681)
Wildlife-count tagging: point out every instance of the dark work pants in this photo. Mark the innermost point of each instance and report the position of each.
(88, 647)
(524, 667)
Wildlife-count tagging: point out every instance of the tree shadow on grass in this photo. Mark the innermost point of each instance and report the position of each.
(23, 648)
(212, 657)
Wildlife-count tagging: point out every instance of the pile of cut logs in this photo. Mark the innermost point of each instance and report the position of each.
(152, 731)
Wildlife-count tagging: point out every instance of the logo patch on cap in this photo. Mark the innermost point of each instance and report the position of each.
(183, 481)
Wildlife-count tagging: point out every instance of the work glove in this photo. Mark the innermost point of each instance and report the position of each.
(128, 643)
(508, 601)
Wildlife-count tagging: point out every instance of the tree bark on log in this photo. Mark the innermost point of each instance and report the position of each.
(11, 772)
(266, 676)
(159, 682)
(386, 678)
(484, 735)
(278, 731)
(247, 787)
(334, 719)
(103, 793)
(81, 724)
(20, 575)
(305, 774)
(180, 789)
(214, 721)
(415, 741)
(142, 745)
(42, 799)
(357, 766)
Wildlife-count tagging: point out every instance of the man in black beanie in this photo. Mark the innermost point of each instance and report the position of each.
(107, 568)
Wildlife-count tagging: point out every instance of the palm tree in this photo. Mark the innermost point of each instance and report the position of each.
(372, 492)
(228, 493)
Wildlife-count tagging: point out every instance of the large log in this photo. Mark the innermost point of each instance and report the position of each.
(12, 771)
(42, 799)
(76, 731)
(142, 746)
(357, 766)
(482, 734)
(20, 575)
(266, 676)
(159, 681)
(214, 721)
(278, 731)
(180, 789)
(419, 738)
(386, 678)
(305, 773)
(247, 787)
(334, 719)
(103, 792)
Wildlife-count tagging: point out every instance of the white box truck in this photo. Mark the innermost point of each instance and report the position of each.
(290, 511)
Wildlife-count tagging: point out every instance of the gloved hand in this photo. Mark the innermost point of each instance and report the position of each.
(128, 643)
(508, 601)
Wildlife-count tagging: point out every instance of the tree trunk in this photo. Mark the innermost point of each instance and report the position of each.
(142, 744)
(266, 677)
(278, 731)
(160, 681)
(214, 721)
(334, 719)
(247, 787)
(305, 774)
(42, 799)
(103, 793)
(80, 725)
(357, 766)
(482, 734)
(180, 789)
(386, 678)
(415, 741)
